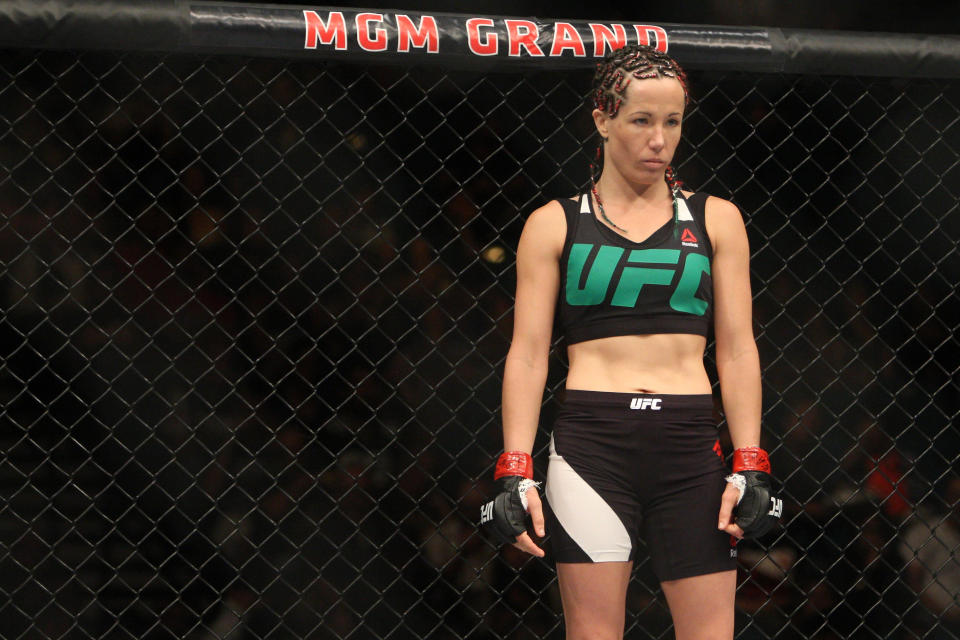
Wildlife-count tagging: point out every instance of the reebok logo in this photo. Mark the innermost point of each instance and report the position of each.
(645, 403)
(776, 507)
(687, 239)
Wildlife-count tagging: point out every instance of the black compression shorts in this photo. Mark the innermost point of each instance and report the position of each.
(619, 461)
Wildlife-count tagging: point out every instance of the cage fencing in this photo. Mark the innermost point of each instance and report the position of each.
(255, 311)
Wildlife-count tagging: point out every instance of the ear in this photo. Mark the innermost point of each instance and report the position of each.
(602, 121)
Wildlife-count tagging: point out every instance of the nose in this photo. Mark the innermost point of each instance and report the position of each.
(656, 139)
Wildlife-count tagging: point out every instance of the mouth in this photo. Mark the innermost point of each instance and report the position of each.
(653, 164)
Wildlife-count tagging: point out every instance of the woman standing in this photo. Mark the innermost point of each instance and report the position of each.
(637, 271)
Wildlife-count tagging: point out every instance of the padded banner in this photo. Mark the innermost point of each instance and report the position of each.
(457, 40)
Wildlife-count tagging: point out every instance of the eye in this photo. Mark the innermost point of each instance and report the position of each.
(674, 122)
(640, 120)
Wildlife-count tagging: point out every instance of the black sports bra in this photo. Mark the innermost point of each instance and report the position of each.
(612, 286)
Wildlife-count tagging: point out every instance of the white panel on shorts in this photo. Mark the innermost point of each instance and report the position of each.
(584, 515)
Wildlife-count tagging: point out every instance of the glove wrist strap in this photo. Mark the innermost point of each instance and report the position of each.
(751, 459)
(514, 463)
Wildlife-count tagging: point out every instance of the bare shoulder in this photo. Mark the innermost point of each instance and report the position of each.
(717, 207)
(724, 222)
(548, 216)
(545, 229)
(722, 210)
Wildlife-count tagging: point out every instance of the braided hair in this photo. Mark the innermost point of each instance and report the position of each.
(610, 83)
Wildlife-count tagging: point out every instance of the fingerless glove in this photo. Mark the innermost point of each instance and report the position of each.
(758, 510)
(504, 517)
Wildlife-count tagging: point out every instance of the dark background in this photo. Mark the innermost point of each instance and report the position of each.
(255, 314)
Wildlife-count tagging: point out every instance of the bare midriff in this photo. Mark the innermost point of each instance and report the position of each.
(658, 363)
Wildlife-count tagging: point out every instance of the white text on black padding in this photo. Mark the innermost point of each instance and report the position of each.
(486, 512)
(645, 403)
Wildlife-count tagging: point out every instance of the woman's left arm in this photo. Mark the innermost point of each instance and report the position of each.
(738, 362)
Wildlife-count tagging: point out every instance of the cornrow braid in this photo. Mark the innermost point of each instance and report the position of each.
(670, 175)
(619, 67)
(610, 82)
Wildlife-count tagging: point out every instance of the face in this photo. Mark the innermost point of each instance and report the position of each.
(644, 135)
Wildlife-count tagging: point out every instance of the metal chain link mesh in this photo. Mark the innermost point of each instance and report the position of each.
(255, 314)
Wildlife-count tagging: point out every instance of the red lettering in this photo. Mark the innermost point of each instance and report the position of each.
(379, 41)
(424, 35)
(566, 37)
(523, 33)
(604, 36)
(334, 30)
(488, 45)
(644, 33)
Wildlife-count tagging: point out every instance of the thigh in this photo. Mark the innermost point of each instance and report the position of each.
(594, 598)
(590, 517)
(680, 522)
(702, 607)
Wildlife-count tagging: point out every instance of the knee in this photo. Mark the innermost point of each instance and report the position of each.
(703, 631)
(705, 634)
(594, 633)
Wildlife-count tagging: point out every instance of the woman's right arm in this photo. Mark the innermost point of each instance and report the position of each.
(525, 371)
(538, 280)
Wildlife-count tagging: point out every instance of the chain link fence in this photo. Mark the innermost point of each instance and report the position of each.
(255, 314)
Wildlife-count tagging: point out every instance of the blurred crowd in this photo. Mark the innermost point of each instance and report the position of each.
(254, 316)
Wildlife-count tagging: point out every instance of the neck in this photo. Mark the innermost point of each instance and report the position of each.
(648, 193)
(616, 189)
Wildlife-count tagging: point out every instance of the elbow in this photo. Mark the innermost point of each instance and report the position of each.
(528, 357)
(735, 341)
(737, 351)
(534, 359)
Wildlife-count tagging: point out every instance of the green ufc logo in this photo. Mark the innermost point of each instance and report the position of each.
(630, 280)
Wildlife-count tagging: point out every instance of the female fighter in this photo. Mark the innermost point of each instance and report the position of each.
(638, 271)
